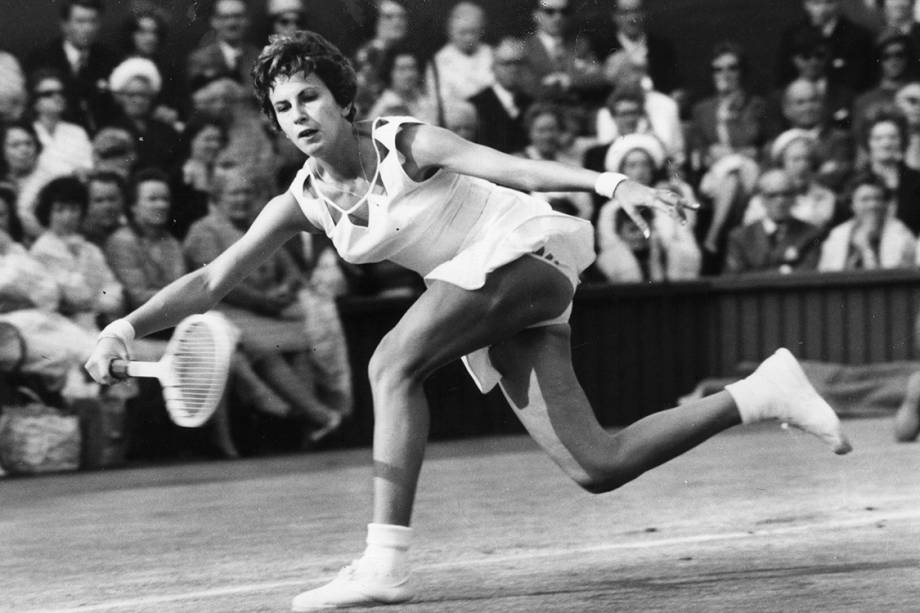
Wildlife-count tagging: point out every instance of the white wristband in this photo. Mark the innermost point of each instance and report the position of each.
(607, 183)
(120, 329)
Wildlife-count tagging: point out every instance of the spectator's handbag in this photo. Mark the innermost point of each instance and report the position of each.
(37, 438)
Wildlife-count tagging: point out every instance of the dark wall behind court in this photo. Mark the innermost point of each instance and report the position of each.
(693, 25)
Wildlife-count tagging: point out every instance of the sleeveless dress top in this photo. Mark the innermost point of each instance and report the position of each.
(449, 227)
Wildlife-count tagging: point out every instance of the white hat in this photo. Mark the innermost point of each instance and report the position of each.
(648, 143)
(785, 139)
(135, 67)
(276, 7)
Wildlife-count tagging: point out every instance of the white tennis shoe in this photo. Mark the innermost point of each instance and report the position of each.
(355, 587)
(779, 389)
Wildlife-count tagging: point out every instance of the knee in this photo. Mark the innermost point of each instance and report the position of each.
(393, 365)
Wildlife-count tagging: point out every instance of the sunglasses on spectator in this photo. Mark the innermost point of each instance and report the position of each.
(48, 93)
(393, 15)
(733, 67)
(548, 10)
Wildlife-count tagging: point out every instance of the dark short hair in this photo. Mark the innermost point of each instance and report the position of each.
(8, 198)
(542, 108)
(132, 24)
(625, 93)
(145, 175)
(194, 126)
(388, 61)
(303, 52)
(887, 114)
(867, 178)
(109, 178)
(62, 189)
(730, 47)
(67, 6)
(20, 124)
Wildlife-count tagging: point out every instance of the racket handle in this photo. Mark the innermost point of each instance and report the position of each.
(118, 368)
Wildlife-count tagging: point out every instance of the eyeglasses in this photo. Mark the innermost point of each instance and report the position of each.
(393, 15)
(49, 93)
(733, 67)
(788, 193)
(549, 10)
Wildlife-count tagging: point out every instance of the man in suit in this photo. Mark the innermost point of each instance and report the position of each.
(559, 69)
(83, 63)
(228, 53)
(502, 105)
(852, 52)
(779, 242)
(627, 33)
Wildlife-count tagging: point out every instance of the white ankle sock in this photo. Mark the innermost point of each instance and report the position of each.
(387, 551)
(749, 395)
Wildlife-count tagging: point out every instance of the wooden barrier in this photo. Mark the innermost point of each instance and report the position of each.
(637, 347)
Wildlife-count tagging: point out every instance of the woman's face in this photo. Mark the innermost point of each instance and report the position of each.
(797, 160)
(49, 97)
(308, 114)
(868, 203)
(20, 150)
(287, 23)
(207, 144)
(885, 143)
(405, 77)
(637, 165)
(152, 206)
(105, 205)
(65, 218)
(236, 199)
(136, 98)
(392, 22)
(146, 37)
(726, 73)
(545, 133)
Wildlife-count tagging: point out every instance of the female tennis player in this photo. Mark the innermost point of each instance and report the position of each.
(501, 269)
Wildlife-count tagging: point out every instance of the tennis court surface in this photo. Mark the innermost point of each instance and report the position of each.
(757, 519)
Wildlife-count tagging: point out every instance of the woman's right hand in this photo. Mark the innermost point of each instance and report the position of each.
(107, 349)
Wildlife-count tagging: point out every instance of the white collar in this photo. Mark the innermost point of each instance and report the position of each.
(231, 54)
(507, 99)
(73, 54)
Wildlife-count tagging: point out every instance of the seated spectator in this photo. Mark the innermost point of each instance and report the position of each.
(144, 33)
(202, 141)
(462, 67)
(872, 238)
(89, 289)
(12, 88)
(779, 242)
(624, 254)
(264, 306)
(803, 108)
(286, 16)
(794, 152)
(628, 33)
(390, 28)
(105, 210)
(136, 83)
(66, 148)
(661, 115)
(24, 282)
(404, 92)
(224, 51)
(560, 69)
(897, 65)
(82, 60)
(898, 17)
(19, 166)
(460, 118)
(885, 141)
(545, 124)
(732, 120)
(907, 100)
(849, 45)
(502, 105)
(113, 151)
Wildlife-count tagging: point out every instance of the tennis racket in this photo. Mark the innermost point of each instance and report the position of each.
(193, 371)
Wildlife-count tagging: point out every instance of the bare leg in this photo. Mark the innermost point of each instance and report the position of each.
(907, 419)
(540, 384)
(294, 388)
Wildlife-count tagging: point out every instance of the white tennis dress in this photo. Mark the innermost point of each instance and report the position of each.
(450, 227)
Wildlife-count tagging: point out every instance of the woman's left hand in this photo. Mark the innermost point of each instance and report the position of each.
(631, 194)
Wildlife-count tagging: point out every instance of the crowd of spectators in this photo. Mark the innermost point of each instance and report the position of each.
(122, 167)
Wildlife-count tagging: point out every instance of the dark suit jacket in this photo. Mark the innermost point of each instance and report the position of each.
(157, 147)
(749, 129)
(497, 129)
(208, 62)
(852, 55)
(88, 100)
(750, 249)
(662, 60)
(587, 78)
(907, 198)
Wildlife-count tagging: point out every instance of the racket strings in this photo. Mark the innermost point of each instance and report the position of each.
(200, 363)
